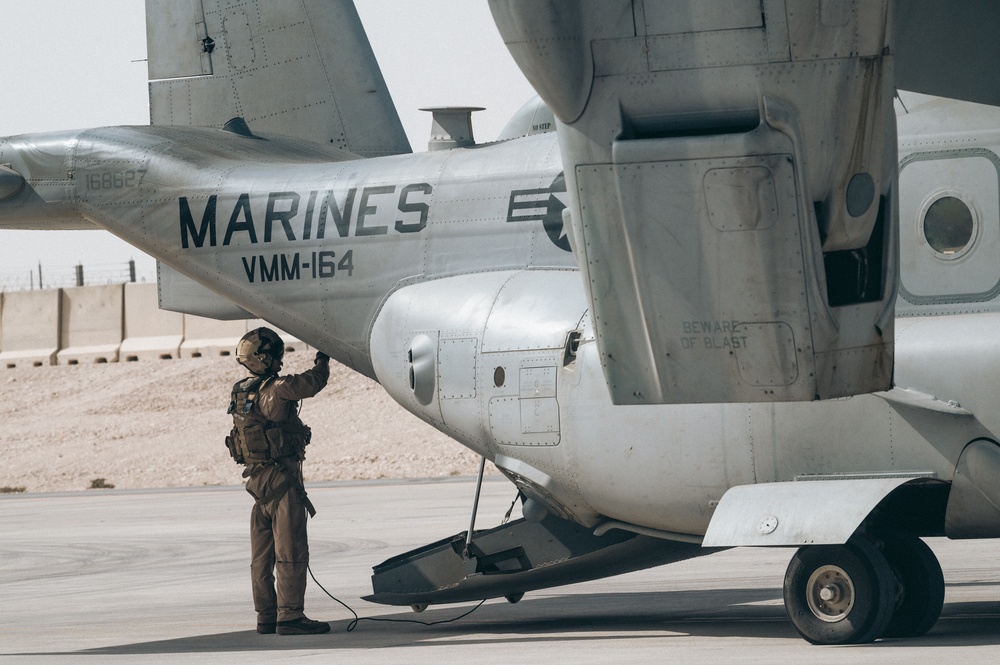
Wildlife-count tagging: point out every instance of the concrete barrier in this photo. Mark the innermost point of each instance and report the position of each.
(121, 322)
(30, 328)
(92, 324)
(209, 337)
(151, 333)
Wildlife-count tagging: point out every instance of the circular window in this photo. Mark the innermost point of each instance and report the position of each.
(949, 226)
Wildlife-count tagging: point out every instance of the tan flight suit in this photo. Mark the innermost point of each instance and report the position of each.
(278, 541)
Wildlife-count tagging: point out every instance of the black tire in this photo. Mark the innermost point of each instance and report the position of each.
(839, 594)
(921, 583)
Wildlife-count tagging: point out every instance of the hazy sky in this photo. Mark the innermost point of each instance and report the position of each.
(69, 64)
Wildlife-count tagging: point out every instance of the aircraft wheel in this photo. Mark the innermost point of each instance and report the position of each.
(839, 594)
(921, 583)
(514, 597)
(418, 607)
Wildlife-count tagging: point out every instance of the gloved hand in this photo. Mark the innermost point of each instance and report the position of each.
(322, 357)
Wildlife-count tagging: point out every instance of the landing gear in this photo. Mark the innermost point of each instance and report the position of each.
(921, 585)
(840, 594)
(857, 593)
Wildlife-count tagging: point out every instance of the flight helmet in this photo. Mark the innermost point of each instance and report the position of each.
(258, 349)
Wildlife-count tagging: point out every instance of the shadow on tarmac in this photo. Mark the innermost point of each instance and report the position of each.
(742, 613)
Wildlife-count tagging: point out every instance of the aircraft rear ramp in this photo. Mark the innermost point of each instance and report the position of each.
(514, 558)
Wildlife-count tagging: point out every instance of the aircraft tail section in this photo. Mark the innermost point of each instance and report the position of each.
(301, 68)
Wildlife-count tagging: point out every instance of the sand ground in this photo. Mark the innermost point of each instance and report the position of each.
(163, 424)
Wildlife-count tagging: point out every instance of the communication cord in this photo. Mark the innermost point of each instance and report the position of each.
(354, 623)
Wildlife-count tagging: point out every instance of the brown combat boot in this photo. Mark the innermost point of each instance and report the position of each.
(303, 626)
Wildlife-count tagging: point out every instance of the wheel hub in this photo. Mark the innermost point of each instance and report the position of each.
(830, 593)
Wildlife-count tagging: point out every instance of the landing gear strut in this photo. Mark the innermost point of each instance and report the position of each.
(858, 592)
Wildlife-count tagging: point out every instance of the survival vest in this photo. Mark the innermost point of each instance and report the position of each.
(255, 439)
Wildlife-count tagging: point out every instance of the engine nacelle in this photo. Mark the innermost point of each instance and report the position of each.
(730, 169)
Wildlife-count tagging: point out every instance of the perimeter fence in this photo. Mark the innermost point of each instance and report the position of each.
(58, 277)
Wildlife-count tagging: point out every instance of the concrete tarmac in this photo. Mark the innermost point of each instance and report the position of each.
(163, 577)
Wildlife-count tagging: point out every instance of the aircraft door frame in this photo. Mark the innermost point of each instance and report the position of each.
(971, 273)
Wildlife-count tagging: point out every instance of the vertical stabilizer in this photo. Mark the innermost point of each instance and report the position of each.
(301, 68)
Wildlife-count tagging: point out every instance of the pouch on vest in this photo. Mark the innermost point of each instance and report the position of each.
(289, 440)
(255, 444)
(233, 447)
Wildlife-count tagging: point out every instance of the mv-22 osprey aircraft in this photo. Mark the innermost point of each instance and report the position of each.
(668, 303)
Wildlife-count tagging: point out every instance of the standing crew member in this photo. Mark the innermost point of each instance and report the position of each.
(270, 439)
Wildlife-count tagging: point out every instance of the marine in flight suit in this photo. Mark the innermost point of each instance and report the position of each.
(270, 439)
